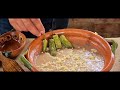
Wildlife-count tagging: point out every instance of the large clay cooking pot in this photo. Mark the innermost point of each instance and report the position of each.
(77, 37)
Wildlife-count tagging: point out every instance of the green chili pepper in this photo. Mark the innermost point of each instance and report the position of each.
(25, 61)
(52, 47)
(57, 41)
(45, 42)
(114, 46)
(65, 42)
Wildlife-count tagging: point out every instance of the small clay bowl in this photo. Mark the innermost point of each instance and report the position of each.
(78, 37)
(12, 42)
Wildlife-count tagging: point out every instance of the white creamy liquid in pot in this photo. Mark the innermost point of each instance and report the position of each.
(71, 60)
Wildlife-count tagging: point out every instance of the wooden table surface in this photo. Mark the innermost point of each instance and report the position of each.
(116, 66)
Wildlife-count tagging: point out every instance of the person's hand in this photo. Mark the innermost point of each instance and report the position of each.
(33, 25)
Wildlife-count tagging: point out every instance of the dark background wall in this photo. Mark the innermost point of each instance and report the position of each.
(103, 26)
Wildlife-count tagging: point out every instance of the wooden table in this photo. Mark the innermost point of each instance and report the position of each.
(116, 66)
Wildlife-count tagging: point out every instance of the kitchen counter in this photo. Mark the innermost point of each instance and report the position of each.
(116, 66)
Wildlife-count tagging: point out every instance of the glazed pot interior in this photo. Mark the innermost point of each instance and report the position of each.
(78, 38)
(12, 41)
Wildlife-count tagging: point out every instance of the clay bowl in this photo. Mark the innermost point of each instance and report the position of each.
(77, 37)
(13, 42)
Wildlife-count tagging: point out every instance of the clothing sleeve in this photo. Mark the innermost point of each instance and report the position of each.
(54, 23)
(4, 25)
(60, 23)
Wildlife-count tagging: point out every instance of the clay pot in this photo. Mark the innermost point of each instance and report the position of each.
(13, 42)
(77, 37)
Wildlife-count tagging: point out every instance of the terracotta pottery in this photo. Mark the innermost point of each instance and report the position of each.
(13, 42)
(77, 37)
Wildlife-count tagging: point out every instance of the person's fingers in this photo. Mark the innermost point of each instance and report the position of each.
(21, 25)
(30, 27)
(14, 24)
(38, 24)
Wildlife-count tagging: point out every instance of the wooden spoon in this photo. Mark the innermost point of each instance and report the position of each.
(9, 65)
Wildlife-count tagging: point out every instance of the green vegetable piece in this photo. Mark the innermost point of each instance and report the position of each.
(52, 47)
(25, 61)
(114, 46)
(65, 42)
(57, 41)
(45, 42)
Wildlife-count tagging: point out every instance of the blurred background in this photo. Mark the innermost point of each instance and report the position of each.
(106, 27)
